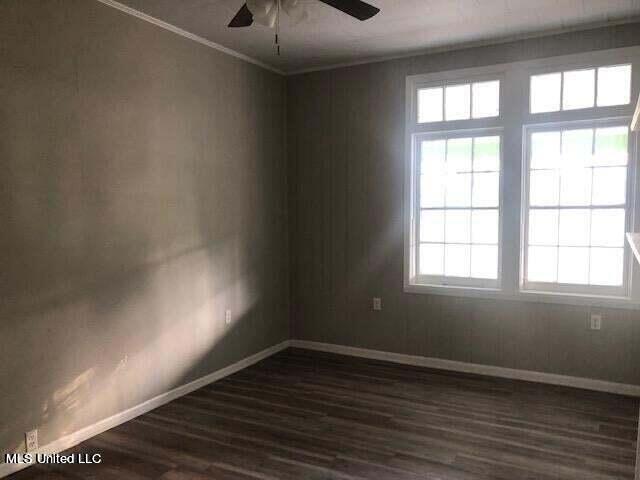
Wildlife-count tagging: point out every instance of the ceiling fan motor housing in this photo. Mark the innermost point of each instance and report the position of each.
(265, 12)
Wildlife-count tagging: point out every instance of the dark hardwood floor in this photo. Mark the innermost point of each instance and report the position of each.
(307, 415)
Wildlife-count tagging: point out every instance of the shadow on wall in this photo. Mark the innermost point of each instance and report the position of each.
(97, 392)
(84, 350)
(135, 210)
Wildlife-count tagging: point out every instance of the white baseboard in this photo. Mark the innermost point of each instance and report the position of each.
(452, 365)
(80, 436)
(83, 434)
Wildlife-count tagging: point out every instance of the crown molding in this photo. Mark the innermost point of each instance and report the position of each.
(371, 60)
(179, 31)
(466, 45)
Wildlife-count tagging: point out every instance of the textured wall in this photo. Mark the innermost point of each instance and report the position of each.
(346, 156)
(142, 192)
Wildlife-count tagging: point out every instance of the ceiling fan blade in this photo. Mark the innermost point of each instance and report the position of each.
(355, 8)
(243, 18)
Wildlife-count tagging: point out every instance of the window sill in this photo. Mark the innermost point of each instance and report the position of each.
(525, 296)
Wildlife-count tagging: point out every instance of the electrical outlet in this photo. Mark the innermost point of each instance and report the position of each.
(377, 303)
(31, 440)
(227, 317)
(595, 321)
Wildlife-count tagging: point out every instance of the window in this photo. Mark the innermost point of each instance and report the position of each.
(520, 180)
(459, 101)
(459, 209)
(457, 184)
(576, 89)
(576, 207)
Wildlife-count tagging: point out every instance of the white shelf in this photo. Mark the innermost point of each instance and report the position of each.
(635, 123)
(634, 242)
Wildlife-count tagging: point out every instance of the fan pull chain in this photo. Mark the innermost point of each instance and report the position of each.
(278, 28)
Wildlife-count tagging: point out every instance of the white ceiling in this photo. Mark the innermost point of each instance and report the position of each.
(330, 37)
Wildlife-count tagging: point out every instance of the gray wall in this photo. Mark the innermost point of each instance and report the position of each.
(346, 156)
(142, 192)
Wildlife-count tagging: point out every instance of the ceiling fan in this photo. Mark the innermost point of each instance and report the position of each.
(267, 12)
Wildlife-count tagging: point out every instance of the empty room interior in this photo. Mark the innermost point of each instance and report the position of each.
(319, 239)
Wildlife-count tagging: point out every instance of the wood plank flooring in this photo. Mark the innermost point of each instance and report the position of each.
(309, 415)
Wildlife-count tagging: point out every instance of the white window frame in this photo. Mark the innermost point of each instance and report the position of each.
(514, 122)
(442, 280)
(446, 129)
(622, 291)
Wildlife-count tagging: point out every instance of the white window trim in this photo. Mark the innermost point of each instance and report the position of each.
(457, 282)
(514, 117)
(622, 292)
